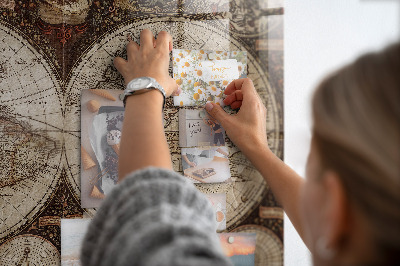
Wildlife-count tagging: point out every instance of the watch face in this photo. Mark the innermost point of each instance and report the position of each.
(140, 83)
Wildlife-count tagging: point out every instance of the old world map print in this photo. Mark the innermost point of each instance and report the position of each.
(48, 54)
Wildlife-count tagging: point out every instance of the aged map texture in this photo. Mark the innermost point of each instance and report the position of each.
(52, 49)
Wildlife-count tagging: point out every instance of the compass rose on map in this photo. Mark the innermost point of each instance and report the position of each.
(29, 250)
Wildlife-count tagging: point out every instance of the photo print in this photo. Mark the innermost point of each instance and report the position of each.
(197, 128)
(204, 75)
(102, 114)
(206, 164)
(239, 247)
(218, 201)
(72, 234)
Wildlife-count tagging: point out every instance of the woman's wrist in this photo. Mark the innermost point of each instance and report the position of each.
(147, 100)
(255, 151)
(143, 141)
(262, 158)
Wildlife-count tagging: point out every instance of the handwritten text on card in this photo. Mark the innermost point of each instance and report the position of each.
(194, 128)
(219, 70)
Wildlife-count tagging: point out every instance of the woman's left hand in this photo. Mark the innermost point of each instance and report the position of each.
(149, 59)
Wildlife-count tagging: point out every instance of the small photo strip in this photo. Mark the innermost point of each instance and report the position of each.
(240, 248)
(197, 128)
(218, 201)
(206, 164)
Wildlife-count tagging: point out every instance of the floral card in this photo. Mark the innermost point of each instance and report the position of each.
(204, 75)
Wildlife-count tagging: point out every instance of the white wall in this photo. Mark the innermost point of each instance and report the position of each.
(320, 36)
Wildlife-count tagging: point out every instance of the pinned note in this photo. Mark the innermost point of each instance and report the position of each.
(204, 75)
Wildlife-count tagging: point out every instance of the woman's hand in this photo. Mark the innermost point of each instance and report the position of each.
(247, 128)
(192, 164)
(143, 141)
(149, 59)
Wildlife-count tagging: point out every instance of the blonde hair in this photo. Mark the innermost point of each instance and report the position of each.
(356, 114)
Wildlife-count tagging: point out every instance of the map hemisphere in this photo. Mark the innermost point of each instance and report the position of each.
(30, 131)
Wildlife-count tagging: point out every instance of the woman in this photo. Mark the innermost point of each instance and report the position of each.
(349, 204)
(218, 131)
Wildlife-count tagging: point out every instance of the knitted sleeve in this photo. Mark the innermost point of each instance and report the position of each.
(153, 217)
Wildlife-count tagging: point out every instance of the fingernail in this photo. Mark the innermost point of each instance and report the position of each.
(179, 90)
(209, 106)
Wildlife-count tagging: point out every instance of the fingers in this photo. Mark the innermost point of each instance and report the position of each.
(119, 64)
(234, 85)
(245, 85)
(240, 91)
(218, 113)
(131, 48)
(164, 41)
(171, 88)
(234, 100)
(236, 105)
(176, 89)
(146, 39)
(177, 92)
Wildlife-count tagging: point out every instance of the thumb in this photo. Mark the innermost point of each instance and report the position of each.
(218, 113)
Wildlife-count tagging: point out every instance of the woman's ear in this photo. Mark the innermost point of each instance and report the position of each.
(337, 216)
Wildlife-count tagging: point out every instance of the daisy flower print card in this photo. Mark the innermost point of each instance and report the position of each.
(204, 75)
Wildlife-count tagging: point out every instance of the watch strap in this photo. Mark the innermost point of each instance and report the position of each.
(154, 85)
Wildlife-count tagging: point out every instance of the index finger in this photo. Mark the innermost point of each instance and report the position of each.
(163, 41)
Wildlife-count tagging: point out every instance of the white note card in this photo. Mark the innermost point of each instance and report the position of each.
(217, 70)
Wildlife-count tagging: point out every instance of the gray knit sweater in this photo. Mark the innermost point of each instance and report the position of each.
(154, 217)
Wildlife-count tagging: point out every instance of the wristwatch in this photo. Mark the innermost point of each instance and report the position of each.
(141, 85)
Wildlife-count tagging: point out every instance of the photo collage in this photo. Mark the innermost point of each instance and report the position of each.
(202, 76)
